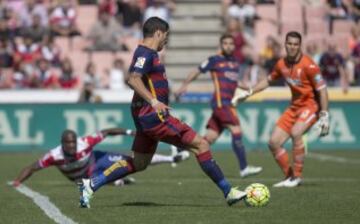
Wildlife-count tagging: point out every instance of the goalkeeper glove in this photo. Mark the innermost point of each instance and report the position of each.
(324, 123)
(240, 95)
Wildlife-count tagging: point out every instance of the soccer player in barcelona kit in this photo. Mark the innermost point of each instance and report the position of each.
(77, 159)
(309, 103)
(224, 70)
(153, 121)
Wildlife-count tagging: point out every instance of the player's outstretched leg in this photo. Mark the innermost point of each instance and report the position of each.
(203, 155)
(116, 171)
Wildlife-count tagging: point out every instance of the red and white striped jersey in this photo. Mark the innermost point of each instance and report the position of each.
(78, 167)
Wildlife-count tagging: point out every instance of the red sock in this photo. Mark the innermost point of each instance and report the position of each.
(298, 158)
(282, 158)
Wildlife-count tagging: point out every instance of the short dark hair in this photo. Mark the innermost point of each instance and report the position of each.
(294, 34)
(154, 24)
(226, 36)
(67, 133)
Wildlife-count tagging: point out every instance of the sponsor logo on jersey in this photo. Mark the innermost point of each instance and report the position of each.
(231, 75)
(140, 62)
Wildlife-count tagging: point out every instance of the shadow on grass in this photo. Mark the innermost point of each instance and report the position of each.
(154, 204)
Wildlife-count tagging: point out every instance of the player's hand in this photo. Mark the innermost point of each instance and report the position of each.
(240, 95)
(324, 123)
(159, 107)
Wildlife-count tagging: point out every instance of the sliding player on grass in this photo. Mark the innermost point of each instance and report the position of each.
(76, 157)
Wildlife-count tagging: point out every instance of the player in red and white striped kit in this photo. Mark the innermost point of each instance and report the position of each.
(76, 157)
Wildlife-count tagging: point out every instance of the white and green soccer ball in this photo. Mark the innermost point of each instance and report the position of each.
(258, 195)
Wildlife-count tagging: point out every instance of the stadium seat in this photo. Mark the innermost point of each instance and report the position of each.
(342, 26)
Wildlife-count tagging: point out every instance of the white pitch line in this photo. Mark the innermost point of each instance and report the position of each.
(336, 159)
(45, 204)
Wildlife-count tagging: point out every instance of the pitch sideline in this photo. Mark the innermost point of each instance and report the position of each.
(45, 205)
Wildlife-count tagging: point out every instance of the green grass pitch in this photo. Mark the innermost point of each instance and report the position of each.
(330, 194)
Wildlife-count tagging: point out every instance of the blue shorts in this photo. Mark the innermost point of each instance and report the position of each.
(104, 160)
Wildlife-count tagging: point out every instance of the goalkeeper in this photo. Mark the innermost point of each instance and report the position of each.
(309, 103)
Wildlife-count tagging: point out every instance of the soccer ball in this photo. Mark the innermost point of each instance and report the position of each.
(258, 195)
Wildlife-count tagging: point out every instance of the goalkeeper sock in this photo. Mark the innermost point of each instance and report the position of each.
(298, 157)
(239, 150)
(282, 159)
(212, 170)
(116, 171)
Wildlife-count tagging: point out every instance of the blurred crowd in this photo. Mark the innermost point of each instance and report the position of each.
(338, 67)
(31, 58)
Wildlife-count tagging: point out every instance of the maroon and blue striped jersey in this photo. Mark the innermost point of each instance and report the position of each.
(225, 74)
(146, 62)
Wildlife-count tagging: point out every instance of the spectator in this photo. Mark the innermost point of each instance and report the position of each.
(245, 13)
(353, 7)
(63, 20)
(117, 75)
(28, 52)
(130, 16)
(50, 51)
(267, 52)
(312, 50)
(23, 76)
(337, 9)
(88, 95)
(45, 76)
(104, 35)
(36, 30)
(234, 28)
(333, 68)
(5, 32)
(30, 8)
(108, 6)
(67, 79)
(12, 22)
(6, 52)
(91, 77)
(161, 9)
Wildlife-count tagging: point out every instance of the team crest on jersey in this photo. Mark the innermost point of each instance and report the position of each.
(140, 62)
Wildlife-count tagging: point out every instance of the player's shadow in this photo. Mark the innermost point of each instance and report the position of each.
(154, 204)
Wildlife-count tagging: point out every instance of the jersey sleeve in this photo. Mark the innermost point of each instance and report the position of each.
(47, 160)
(316, 79)
(275, 73)
(207, 65)
(94, 139)
(142, 64)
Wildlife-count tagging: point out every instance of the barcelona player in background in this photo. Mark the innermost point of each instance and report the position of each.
(309, 103)
(153, 121)
(224, 71)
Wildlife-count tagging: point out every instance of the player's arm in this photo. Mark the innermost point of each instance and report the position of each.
(193, 75)
(319, 85)
(116, 131)
(26, 173)
(135, 82)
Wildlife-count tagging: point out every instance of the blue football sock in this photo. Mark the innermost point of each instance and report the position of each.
(209, 166)
(116, 171)
(239, 150)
